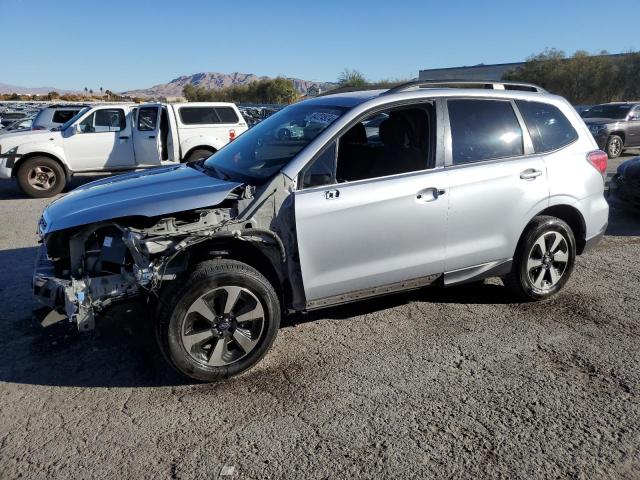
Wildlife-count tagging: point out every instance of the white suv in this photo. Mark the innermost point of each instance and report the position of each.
(369, 193)
(55, 116)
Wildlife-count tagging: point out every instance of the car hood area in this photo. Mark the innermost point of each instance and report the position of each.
(150, 193)
(12, 139)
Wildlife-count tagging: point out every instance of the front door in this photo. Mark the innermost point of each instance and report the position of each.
(101, 142)
(380, 221)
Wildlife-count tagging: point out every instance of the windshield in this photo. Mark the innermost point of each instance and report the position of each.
(262, 151)
(68, 123)
(608, 111)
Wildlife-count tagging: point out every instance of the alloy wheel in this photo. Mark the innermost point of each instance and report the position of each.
(41, 177)
(223, 325)
(548, 260)
(615, 147)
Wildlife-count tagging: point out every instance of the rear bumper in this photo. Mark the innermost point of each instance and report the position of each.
(595, 240)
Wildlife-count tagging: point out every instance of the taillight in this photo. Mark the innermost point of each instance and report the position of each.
(232, 135)
(599, 160)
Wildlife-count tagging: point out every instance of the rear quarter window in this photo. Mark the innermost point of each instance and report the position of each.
(207, 115)
(227, 115)
(548, 127)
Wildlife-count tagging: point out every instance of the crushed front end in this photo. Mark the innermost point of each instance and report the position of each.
(81, 271)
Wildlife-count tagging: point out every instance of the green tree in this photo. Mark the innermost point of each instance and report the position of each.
(53, 95)
(352, 78)
(582, 78)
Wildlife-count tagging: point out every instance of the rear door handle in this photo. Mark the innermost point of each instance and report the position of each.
(151, 136)
(530, 174)
(430, 194)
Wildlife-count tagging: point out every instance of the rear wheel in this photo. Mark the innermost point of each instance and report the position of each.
(198, 154)
(614, 146)
(544, 259)
(41, 177)
(220, 322)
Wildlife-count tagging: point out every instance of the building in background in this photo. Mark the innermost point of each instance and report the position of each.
(475, 72)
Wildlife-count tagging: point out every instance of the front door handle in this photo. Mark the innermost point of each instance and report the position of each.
(430, 194)
(331, 194)
(530, 174)
(151, 136)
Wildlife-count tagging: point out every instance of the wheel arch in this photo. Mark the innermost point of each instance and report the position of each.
(27, 156)
(211, 148)
(264, 258)
(569, 214)
(619, 133)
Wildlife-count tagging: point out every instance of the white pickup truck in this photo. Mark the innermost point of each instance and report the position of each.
(116, 137)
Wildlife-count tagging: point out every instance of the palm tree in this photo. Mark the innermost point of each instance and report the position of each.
(100, 90)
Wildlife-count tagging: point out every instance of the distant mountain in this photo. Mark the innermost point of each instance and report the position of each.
(5, 88)
(214, 80)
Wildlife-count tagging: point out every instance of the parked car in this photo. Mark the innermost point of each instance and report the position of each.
(18, 126)
(615, 126)
(624, 187)
(55, 116)
(7, 118)
(462, 184)
(117, 137)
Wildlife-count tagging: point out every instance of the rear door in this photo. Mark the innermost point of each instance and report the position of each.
(146, 135)
(496, 183)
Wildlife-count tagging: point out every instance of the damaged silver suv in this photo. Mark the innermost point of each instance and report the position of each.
(331, 200)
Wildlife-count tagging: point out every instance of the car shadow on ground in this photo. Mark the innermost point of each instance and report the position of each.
(122, 350)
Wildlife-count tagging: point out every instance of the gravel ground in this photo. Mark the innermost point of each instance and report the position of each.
(460, 383)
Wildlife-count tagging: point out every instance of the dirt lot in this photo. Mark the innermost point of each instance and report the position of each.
(459, 383)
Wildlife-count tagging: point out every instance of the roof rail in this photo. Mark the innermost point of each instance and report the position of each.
(488, 84)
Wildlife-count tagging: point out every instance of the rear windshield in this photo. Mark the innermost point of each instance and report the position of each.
(548, 127)
(207, 115)
(608, 111)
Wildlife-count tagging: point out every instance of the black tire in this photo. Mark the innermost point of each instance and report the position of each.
(615, 146)
(521, 280)
(41, 177)
(198, 154)
(212, 276)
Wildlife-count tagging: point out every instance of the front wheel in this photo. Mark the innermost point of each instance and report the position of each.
(41, 177)
(220, 322)
(614, 146)
(544, 259)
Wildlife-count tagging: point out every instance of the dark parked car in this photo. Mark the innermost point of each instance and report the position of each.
(624, 188)
(615, 126)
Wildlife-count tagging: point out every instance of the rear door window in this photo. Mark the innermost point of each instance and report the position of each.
(483, 130)
(548, 127)
(147, 119)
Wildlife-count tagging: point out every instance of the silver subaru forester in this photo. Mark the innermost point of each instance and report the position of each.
(331, 200)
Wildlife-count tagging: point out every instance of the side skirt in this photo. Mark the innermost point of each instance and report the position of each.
(373, 292)
(496, 268)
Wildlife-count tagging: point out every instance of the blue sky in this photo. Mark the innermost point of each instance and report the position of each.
(134, 44)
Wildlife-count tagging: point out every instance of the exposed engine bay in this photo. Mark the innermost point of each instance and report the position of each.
(83, 270)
